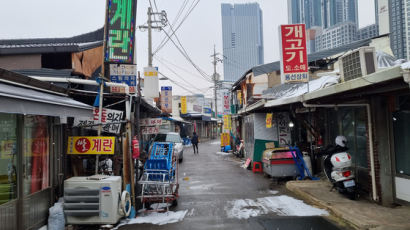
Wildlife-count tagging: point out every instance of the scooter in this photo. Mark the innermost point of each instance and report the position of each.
(337, 168)
(239, 150)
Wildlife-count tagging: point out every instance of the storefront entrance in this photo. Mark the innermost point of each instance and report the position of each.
(401, 131)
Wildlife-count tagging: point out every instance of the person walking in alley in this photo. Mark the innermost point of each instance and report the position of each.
(194, 141)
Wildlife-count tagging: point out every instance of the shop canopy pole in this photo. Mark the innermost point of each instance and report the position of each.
(100, 104)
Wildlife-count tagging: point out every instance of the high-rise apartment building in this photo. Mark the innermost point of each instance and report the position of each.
(305, 11)
(337, 35)
(338, 11)
(242, 38)
(399, 11)
(366, 32)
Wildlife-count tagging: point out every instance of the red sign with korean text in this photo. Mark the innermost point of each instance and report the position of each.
(91, 145)
(294, 53)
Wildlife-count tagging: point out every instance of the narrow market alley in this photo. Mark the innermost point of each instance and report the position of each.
(217, 193)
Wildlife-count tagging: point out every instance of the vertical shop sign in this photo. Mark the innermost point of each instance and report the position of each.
(227, 107)
(239, 96)
(151, 84)
(269, 120)
(294, 63)
(120, 31)
(227, 122)
(166, 99)
(283, 129)
(123, 73)
(225, 139)
(183, 105)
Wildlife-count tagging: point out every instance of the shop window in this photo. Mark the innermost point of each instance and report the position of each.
(353, 127)
(401, 124)
(8, 157)
(36, 154)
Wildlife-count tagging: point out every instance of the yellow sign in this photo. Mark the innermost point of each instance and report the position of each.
(91, 145)
(239, 96)
(227, 122)
(225, 139)
(269, 120)
(151, 74)
(183, 105)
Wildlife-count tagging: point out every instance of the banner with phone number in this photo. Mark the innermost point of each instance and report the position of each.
(91, 145)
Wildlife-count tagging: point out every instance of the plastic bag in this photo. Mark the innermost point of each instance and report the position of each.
(56, 219)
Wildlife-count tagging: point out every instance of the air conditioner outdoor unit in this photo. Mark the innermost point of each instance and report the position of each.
(358, 63)
(95, 200)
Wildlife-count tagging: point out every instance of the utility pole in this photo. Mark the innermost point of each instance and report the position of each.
(215, 78)
(163, 22)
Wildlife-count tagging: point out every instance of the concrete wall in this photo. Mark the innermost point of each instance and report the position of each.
(28, 61)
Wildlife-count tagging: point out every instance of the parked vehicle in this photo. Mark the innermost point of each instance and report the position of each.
(337, 164)
(174, 138)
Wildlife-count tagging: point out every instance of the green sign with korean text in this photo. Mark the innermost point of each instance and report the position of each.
(120, 31)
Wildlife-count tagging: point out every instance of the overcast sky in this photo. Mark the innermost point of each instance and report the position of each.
(198, 34)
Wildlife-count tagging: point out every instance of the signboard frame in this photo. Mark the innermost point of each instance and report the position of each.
(123, 31)
(294, 63)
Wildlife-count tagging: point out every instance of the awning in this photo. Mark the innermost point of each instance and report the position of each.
(176, 119)
(21, 100)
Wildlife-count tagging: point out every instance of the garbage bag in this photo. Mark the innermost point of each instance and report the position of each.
(56, 219)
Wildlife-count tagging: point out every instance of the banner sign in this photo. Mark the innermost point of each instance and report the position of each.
(294, 63)
(183, 105)
(151, 84)
(239, 96)
(166, 99)
(283, 129)
(123, 74)
(149, 130)
(108, 116)
(269, 120)
(91, 145)
(225, 139)
(151, 122)
(120, 31)
(227, 122)
(227, 107)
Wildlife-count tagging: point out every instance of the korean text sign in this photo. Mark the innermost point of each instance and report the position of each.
(294, 63)
(123, 73)
(120, 29)
(166, 99)
(269, 120)
(183, 105)
(110, 120)
(91, 145)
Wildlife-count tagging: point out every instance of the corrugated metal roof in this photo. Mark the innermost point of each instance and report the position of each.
(44, 72)
(52, 45)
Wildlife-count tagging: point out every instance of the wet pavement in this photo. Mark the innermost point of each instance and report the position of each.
(210, 183)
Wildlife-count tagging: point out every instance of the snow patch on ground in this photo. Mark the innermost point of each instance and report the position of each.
(281, 205)
(203, 186)
(191, 213)
(215, 143)
(274, 192)
(223, 153)
(43, 228)
(160, 205)
(159, 218)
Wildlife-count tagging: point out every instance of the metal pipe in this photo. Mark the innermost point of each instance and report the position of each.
(80, 82)
(370, 125)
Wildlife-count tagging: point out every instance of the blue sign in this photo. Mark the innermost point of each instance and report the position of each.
(207, 110)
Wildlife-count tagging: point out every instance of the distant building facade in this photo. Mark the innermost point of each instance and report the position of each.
(338, 35)
(370, 31)
(242, 38)
(399, 27)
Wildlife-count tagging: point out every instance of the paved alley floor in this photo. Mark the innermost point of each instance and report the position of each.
(216, 193)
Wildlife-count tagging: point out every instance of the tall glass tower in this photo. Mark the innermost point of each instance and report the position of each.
(242, 38)
(305, 11)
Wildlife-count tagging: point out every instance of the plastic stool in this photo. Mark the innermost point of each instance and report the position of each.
(257, 167)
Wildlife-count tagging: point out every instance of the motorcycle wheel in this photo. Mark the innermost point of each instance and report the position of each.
(351, 193)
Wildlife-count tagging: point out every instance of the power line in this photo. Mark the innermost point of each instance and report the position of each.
(193, 5)
(179, 67)
(205, 76)
(176, 83)
(178, 75)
